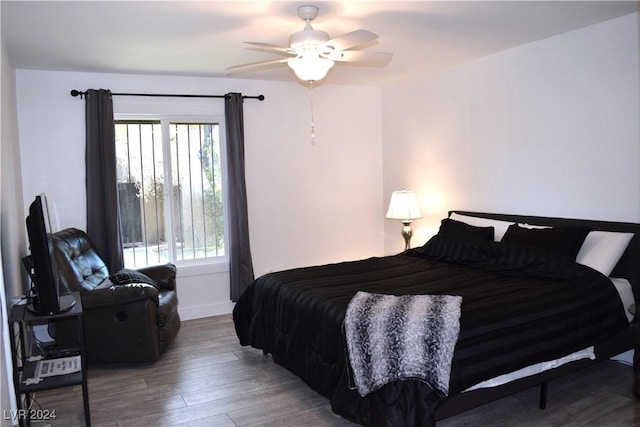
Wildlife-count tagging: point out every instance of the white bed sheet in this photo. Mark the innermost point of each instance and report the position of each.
(626, 296)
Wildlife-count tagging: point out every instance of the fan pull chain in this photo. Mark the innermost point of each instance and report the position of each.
(313, 124)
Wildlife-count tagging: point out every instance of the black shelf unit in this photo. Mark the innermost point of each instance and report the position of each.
(26, 356)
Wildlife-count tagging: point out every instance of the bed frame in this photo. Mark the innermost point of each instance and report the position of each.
(628, 267)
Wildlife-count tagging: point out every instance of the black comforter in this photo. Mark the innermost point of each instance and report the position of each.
(519, 307)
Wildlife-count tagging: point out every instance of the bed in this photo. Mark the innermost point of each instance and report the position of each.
(537, 302)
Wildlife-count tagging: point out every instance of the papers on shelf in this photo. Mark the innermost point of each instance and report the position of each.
(60, 366)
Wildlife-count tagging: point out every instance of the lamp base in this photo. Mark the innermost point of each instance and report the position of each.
(407, 232)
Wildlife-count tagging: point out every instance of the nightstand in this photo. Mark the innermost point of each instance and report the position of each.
(636, 354)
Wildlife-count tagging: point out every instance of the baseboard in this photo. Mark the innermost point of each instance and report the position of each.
(198, 312)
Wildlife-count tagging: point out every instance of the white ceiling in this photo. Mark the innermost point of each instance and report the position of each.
(203, 38)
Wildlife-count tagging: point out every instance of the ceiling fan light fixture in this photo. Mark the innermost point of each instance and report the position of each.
(310, 68)
(311, 53)
(305, 38)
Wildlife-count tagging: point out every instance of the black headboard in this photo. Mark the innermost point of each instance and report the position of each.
(629, 265)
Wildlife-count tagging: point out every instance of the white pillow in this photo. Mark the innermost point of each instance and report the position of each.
(500, 227)
(602, 250)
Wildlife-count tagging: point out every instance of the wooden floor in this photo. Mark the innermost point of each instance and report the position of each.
(207, 379)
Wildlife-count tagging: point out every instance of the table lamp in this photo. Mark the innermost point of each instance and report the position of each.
(404, 207)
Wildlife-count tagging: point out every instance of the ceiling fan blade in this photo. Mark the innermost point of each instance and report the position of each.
(379, 59)
(258, 63)
(354, 38)
(269, 46)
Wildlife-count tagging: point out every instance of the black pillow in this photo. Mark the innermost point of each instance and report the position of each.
(452, 228)
(565, 241)
(126, 276)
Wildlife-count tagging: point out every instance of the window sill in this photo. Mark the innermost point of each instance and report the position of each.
(186, 269)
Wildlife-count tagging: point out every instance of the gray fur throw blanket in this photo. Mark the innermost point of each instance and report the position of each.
(405, 337)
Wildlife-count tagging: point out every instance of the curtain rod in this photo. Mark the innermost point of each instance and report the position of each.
(75, 92)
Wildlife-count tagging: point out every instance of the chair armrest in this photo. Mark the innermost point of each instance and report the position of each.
(164, 275)
(119, 294)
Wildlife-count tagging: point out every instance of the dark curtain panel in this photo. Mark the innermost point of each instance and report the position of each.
(240, 264)
(103, 221)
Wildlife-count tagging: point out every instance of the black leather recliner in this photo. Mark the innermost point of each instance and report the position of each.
(128, 316)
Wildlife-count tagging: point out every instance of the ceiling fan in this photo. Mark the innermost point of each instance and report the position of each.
(311, 53)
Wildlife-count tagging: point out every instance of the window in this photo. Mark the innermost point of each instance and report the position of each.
(171, 191)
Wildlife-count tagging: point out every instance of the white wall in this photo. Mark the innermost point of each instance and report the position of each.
(12, 219)
(11, 222)
(308, 204)
(548, 128)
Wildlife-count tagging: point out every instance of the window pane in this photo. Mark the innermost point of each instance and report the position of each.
(140, 189)
(197, 190)
(194, 211)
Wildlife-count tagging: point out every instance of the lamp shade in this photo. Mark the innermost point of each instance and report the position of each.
(310, 68)
(403, 206)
